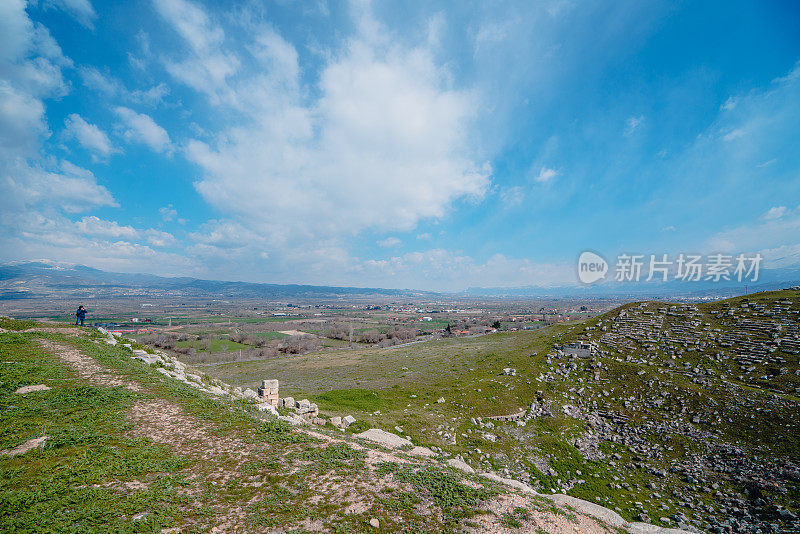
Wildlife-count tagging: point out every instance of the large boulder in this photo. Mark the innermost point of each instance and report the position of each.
(387, 439)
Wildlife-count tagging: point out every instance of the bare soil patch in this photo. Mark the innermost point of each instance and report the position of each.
(87, 367)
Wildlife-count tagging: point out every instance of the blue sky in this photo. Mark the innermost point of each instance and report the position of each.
(428, 145)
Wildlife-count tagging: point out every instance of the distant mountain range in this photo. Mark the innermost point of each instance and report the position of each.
(46, 279)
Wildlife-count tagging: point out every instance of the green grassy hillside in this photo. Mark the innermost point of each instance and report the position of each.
(685, 414)
(106, 443)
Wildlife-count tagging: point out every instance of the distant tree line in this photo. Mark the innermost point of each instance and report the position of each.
(394, 336)
(262, 347)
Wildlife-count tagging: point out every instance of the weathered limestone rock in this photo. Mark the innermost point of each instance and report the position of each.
(288, 402)
(424, 452)
(460, 464)
(250, 394)
(267, 407)
(336, 421)
(348, 420)
(30, 389)
(387, 439)
(610, 517)
(440, 400)
(647, 528)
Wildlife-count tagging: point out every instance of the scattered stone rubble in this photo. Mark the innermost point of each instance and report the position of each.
(266, 399)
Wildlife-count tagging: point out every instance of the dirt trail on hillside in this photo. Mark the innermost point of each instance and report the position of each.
(87, 367)
(223, 459)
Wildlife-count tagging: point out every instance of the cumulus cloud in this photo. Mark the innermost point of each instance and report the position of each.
(382, 147)
(36, 191)
(160, 239)
(206, 66)
(88, 135)
(143, 129)
(94, 226)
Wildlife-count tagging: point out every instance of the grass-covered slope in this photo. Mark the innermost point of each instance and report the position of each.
(685, 415)
(125, 449)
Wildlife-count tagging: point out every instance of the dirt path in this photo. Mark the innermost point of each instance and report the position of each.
(223, 459)
(87, 367)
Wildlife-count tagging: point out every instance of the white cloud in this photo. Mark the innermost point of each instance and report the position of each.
(94, 226)
(100, 82)
(31, 62)
(775, 212)
(160, 239)
(490, 34)
(143, 129)
(729, 104)
(191, 22)
(545, 175)
(389, 242)
(206, 67)
(512, 196)
(108, 85)
(22, 122)
(168, 213)
(669, 228)
(88, 135)
(153, 96)
(774, 235)
(52, 236)
(382, 147)
(442, 270)
(81, 10)
(733, 134)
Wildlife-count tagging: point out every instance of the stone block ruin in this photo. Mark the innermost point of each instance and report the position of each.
(304, 408)
(269, 392)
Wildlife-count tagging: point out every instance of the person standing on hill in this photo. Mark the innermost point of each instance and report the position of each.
(80, 315)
